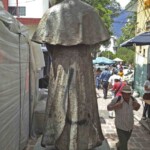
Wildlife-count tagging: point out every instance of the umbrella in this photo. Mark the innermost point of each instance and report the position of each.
(94, 61)
(117, 59)
(141, 39)
(103, 60)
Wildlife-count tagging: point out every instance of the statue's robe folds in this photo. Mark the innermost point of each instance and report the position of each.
(69, 30)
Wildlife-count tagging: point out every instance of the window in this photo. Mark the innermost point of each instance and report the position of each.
(21, 11)
(144, 52)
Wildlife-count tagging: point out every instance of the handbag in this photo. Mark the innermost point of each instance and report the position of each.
(146, 96)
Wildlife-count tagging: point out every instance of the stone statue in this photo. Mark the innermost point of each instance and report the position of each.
(70, 30)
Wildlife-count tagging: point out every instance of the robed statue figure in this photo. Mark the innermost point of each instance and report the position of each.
(71, 29)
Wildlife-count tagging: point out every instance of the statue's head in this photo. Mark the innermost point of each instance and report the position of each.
(54, 2)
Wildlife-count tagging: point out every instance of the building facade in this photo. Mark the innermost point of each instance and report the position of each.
(142, 56)
(111, 47)
(26, 12)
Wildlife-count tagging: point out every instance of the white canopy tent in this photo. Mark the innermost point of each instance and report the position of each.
(118, 60)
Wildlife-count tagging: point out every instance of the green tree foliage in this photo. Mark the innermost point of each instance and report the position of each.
(105, 9)
(107, 54)
(128, 31)
(115, 8)
(125, 54)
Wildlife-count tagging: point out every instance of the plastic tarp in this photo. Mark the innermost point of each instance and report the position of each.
(14, 83)
(39, 113)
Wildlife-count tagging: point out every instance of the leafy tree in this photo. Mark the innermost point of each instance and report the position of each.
(128, 31)
(105, 9)
(107, 54)
(115, 8)
(126, 54)
(108, 9)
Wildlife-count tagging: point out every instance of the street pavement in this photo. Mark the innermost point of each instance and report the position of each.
(140, 139)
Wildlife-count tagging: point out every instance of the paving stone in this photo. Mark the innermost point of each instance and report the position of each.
(140, 138)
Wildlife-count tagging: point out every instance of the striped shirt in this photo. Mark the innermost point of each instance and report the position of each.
(124, 119)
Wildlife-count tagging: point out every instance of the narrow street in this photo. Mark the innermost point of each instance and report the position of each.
(140, 139)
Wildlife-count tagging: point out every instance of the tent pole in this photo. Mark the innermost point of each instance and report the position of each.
(20, 103)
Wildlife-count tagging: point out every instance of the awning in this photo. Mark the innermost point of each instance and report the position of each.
(139, 40)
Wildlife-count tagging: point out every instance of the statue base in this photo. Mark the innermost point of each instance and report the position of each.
(104, 146)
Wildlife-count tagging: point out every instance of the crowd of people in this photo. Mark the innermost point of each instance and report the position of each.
(122, 103)
(110, 79)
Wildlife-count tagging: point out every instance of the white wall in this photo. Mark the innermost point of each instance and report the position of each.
(111, 46)
(34, 8)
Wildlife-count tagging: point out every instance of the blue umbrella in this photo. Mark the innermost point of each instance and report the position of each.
(103, 60)
(141, 39)
(94, 61)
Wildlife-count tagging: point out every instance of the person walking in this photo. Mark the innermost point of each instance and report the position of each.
(111, 81)
(124, 119)
(120, 73)
(146, 110)
(117, 87)
(104, 77)
(97, 81)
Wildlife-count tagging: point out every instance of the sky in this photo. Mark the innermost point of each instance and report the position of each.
(123, 3)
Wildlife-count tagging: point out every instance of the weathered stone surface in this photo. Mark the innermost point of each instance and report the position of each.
(70, 29)
(69, 23)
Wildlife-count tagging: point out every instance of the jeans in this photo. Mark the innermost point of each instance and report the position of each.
(124, 137)
(105, 88)
(146, 110)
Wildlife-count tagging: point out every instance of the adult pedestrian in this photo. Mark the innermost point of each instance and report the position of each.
(117, 87)
(104, 77)
(97, 78)
(112, 79)
(124, 119)
(97, 81)
(120, 73)
(146, 110)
